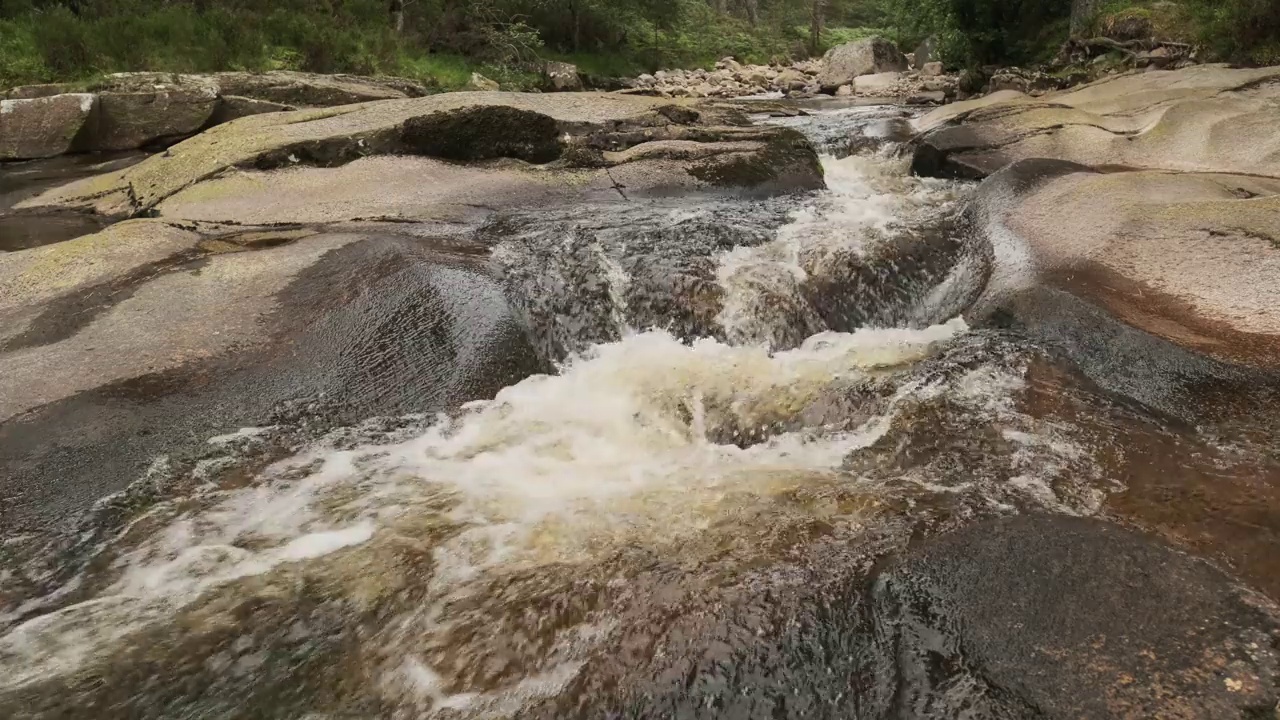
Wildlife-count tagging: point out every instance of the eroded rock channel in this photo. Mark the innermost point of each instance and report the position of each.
(491, 405)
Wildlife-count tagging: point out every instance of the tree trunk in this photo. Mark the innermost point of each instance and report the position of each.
(817, 11)
(577, 28)
(1082, 12)
(397, 15)
(752, 8)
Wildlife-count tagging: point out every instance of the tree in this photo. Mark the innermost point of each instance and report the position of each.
(397, 16)
(1082, 13)
(817, 13)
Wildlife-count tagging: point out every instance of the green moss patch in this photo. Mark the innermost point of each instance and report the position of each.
(482, 133)
(787, 152)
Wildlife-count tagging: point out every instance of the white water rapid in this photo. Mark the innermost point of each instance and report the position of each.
(422, 550)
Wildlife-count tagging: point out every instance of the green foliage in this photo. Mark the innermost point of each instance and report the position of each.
(54, 43)
(444, 41)
(20, 57)
(1243, 31)
(449, 72)
(971, 33)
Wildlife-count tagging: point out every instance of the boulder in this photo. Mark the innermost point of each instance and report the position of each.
(938, 84)
(1032, 82)
(927, 97)
(44, 126)
(879, 84)
(1148, 249)
(931, 69)
(758, 79)
(729, 64)
(844, 91)
(808, 67)
(1160, 58)
(972, 81)
(140, 109)
(561, 77)
(1208, 118)
(879, 133)
(1127, 25)
(791, 80)
(300, 89)
(868, 56)
(481, 83)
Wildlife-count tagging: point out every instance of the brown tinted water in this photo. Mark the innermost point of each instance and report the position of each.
(667, 527)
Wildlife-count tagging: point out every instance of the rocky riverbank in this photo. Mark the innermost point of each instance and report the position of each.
(129, 111)
(597, 404)
(867, 68)
(875, 68)
(1133, 224)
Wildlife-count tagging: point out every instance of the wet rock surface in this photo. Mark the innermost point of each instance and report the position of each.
(1115, 243)
(1061, 617)
(20, 181)
(197, 336)
(226, 308)
(768, 471)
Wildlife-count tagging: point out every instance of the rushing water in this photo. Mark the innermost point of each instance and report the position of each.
(724, 442)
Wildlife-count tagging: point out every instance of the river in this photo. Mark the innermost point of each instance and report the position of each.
(681, 521)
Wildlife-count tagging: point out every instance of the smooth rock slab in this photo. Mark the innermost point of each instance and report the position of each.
(1208, 118)
(311, 90)
(42, 127)
(233, 107)
(1191, 258)
(147, 339)
(140, 109)
(1058, 617)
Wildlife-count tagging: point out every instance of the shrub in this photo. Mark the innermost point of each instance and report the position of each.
(20, 59)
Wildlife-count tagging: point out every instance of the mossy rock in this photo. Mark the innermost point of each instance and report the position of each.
(482, 133)
(787, 156)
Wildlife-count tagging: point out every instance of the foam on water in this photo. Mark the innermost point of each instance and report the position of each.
(615, 448)
(647, 442)
(868, 198)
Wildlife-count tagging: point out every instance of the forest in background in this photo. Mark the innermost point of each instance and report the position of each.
(442, 41)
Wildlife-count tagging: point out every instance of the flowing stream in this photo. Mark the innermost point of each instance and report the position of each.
(753, 401)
